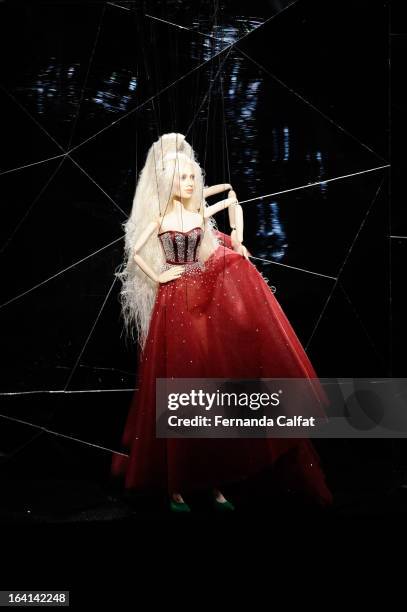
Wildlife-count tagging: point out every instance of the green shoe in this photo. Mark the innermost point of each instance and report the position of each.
(223, 506)
(179, 506)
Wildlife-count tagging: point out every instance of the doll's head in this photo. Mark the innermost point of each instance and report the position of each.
(180, 178)
(184, 183)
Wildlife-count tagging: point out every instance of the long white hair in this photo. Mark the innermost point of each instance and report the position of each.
(152, 200)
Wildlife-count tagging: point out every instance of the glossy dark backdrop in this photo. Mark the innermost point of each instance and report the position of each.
(301, 97)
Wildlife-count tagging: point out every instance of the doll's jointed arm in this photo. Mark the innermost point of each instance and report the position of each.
(212, 210)
(236, 236)
(235, 210)
(215, 189)
(236, 221)
(145, 235)
(167, 275)
(232, 215)
(237, 228)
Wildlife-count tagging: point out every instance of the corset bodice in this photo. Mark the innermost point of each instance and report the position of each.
(181, 247)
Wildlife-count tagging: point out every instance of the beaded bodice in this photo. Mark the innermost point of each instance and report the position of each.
(181, 247)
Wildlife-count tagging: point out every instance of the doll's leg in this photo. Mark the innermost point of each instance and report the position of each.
(221, 502)
(177, 497)
(219, 496)
(177, 503)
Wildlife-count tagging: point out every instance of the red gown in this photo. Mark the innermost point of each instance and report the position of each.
(218, 320)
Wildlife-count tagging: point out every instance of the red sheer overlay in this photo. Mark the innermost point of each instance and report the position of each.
(220, 322)
(225, 240)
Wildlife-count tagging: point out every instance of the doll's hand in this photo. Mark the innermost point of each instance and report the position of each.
(171, 274)
(238, 247)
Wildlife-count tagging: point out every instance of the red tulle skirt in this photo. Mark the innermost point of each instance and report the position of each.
(220, 322)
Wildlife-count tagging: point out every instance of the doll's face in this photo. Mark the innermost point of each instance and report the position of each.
(184, 182)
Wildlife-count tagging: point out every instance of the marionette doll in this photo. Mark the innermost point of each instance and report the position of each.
(200, 309)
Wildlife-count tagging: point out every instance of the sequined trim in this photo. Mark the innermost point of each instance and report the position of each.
(168, 246)
(181, 242)
(181, 247)
(190, 267)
